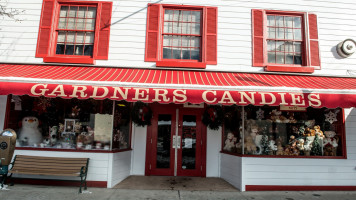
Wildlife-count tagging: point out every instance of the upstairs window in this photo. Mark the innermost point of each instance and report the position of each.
(285, 41)
(181, 36)
(74, 31)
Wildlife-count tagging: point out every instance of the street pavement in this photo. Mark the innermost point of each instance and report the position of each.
(34, 192)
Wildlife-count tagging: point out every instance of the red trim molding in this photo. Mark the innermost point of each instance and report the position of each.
(275, 156)
(181, 64)
(289, 69)
(51, 182)
(71, 150)
(298, 188)
(75, 60)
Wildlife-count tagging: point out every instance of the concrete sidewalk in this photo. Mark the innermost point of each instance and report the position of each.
(32, 192)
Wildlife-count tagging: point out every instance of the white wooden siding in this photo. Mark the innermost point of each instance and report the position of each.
(119, 168)
(212, 153)
(231, 170)
(128, 32)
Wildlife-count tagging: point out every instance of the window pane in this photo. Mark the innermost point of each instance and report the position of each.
(64, 11)
(91, 13)
(80, 24)
(88, 50)
(61, 37)
(196, 29)
(168, 15)
(280, 33)
(70, 37)
(289, 22)
(271, 20)
(176, 53)
(167, 53)
(185, 41)
(271, 33)
(82, 12)
(196, 16)
(195, 54)
(177, 27)
(195, 42)
(69, 49)
(288, 47)
(297, 34)
(79, 50)
(60, 49)
(271, 57)
(73, 11)
(279, 21)
(90, 24)
(271, 45)
(167, 40)
(80, 38)
(280, 46)
(62, 23)
(186, 29)
(177, 15)
(280, 58)
(168, 27)
(297, 47)
(71, 23)
(187, 16)
(297, 22)
(289, 58)
(89, 37)
(289, 34)
(176, 41)
(298, 59)
(186, 53)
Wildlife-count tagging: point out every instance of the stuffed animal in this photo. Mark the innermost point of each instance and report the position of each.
(330, 142)
(250, 146)
(61, 128)
(29, 132)
(229, 142)
(53, 135)
(308, 145)
(318, 131)
(77, 127)
(309, 132)
(280, 150)
(272, 145)
(300, 144)
(276, 116)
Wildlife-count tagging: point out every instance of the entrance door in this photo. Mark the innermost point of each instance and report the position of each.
(175, 142)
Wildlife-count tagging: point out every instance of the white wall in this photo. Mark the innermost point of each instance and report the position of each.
(3, 102)
(230, 170)
(213, 153)
(138, 145)
(119, 167)
(128, 31)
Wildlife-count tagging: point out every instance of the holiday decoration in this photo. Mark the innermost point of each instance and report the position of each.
(141, 114)
(30, 134)
(260, 114)
(75, 112)
(330, 143)
(331, 116)
(264, 145)
(213, 117)
(316, 148)
(41, 104)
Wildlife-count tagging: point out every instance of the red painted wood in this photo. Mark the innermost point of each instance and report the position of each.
(100, 184)
(102, 50)
(211, 35)
(181, 64)
(68, 59)
(258, 38)
(152, 32)
(72, 150)
(272, 68)
(314, 41)
(298, 188)
(275, 156)
(45, 28)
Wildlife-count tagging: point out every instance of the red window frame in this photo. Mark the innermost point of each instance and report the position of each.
(154, 36)
(47, 36)
(309, 45)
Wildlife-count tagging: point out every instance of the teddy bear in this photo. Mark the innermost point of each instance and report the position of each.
(300, 144)
(309, 132)
(318, 132)
(280, 150)
(330, 141)
(276, 116)
(250, 146)
(229, 142)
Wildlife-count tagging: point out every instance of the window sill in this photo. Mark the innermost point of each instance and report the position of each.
(275, 156)
(72, 150)
(272, 68)
(181, 64)
(74, 60)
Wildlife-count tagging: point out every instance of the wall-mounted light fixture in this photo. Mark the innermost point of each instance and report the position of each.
(346, 48)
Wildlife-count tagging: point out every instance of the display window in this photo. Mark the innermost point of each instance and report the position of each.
(75, 124)
(284, 131)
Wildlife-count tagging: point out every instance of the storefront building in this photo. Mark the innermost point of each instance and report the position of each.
(260, 97)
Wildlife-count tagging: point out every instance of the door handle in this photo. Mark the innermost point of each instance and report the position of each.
(174, 142)
(178, 142)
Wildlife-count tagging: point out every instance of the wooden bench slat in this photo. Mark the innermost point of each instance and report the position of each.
(24, 162)
(44, 157)
(43, 173)
(53, 159)
(45, 168)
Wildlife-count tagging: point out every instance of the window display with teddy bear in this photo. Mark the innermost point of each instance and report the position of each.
(269, 131)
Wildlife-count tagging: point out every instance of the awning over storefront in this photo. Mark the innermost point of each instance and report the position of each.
(174, 86)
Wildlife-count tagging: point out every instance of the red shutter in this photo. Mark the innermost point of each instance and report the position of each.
(152, 32)
(44, 32)
(105, 9)
(314, 42)
(211, 35)
(257, 38)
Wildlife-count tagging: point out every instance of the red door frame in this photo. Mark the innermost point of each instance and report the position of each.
(150, 152)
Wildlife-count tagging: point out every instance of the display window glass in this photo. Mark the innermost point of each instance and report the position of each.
(75, 124)
(281, 131)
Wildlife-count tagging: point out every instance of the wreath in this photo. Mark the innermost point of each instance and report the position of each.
(213, 117)
(141, 114)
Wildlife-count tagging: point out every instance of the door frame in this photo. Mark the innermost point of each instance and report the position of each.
(160, 108)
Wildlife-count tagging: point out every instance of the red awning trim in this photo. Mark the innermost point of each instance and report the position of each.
(166, 86)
